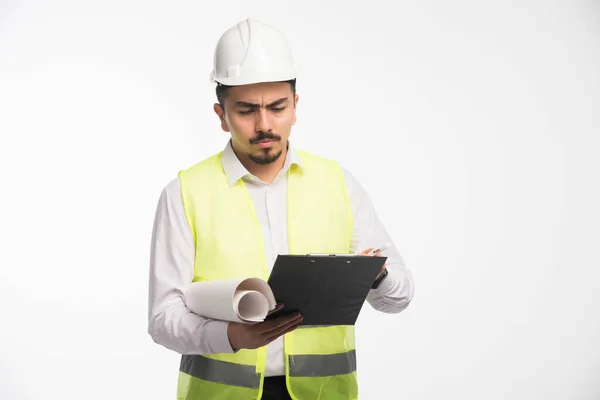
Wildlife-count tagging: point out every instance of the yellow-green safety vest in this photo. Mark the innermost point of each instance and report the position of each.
(320, 361)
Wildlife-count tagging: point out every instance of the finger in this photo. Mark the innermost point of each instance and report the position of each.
(279, 322)
(280, 319)
(286, 319)
(277, 308)
(367, 251)
(279, 331)
(288, 330)
(274, 334)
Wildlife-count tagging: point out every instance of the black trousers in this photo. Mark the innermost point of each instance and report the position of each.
(274, 388)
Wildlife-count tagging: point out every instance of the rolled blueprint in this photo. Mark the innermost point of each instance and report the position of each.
(246, 300)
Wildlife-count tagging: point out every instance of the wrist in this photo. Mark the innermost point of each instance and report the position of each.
(216, 335)
(231, 336)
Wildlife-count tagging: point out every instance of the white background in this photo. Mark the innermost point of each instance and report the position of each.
(473, 125)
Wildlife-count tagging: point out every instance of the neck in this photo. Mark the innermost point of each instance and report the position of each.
(266, 173)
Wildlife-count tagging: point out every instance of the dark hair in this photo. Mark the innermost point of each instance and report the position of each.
(221, 91)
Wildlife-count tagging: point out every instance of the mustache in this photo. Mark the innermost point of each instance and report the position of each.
(262, 135)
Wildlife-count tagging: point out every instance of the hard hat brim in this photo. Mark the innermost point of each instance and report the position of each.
(239, 81)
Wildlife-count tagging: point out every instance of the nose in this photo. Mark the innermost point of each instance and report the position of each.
(263, 121)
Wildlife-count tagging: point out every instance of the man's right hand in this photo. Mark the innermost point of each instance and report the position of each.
(252, 336)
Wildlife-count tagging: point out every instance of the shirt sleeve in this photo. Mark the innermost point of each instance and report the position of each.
(396, 290)
(170, 323)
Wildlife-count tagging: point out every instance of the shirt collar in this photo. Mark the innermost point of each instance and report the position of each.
(234, 170)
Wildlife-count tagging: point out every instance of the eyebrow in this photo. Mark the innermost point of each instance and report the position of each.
(254, 105)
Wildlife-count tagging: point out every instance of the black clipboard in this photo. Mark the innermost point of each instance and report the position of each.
(326, 289)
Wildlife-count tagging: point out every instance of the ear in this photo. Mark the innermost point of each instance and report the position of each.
(295, 104)
(221, 114)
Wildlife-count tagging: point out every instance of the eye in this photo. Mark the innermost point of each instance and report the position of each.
(278, 109)
(245, 112)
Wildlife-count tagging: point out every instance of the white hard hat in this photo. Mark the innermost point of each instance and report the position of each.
(252, 52)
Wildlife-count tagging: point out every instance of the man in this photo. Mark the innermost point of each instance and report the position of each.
(230, 215)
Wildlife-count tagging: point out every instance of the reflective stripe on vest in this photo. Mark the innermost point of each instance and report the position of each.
(218, 371)
(228, 373)
(322, 364)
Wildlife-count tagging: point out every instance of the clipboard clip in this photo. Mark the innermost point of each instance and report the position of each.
(331, 255)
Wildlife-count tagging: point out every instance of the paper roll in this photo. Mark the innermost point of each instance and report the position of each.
(251, 306)
(246, 300)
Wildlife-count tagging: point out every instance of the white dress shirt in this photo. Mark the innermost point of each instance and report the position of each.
(173, 326)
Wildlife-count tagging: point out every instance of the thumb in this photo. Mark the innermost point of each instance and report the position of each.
(367, 251)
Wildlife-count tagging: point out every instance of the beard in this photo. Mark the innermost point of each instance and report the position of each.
(265, 158)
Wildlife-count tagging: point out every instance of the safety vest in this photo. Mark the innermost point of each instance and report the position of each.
(320, 361)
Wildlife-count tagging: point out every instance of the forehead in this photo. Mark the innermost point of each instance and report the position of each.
(260, 93)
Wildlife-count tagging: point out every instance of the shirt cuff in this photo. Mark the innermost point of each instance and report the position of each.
(216, 336)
